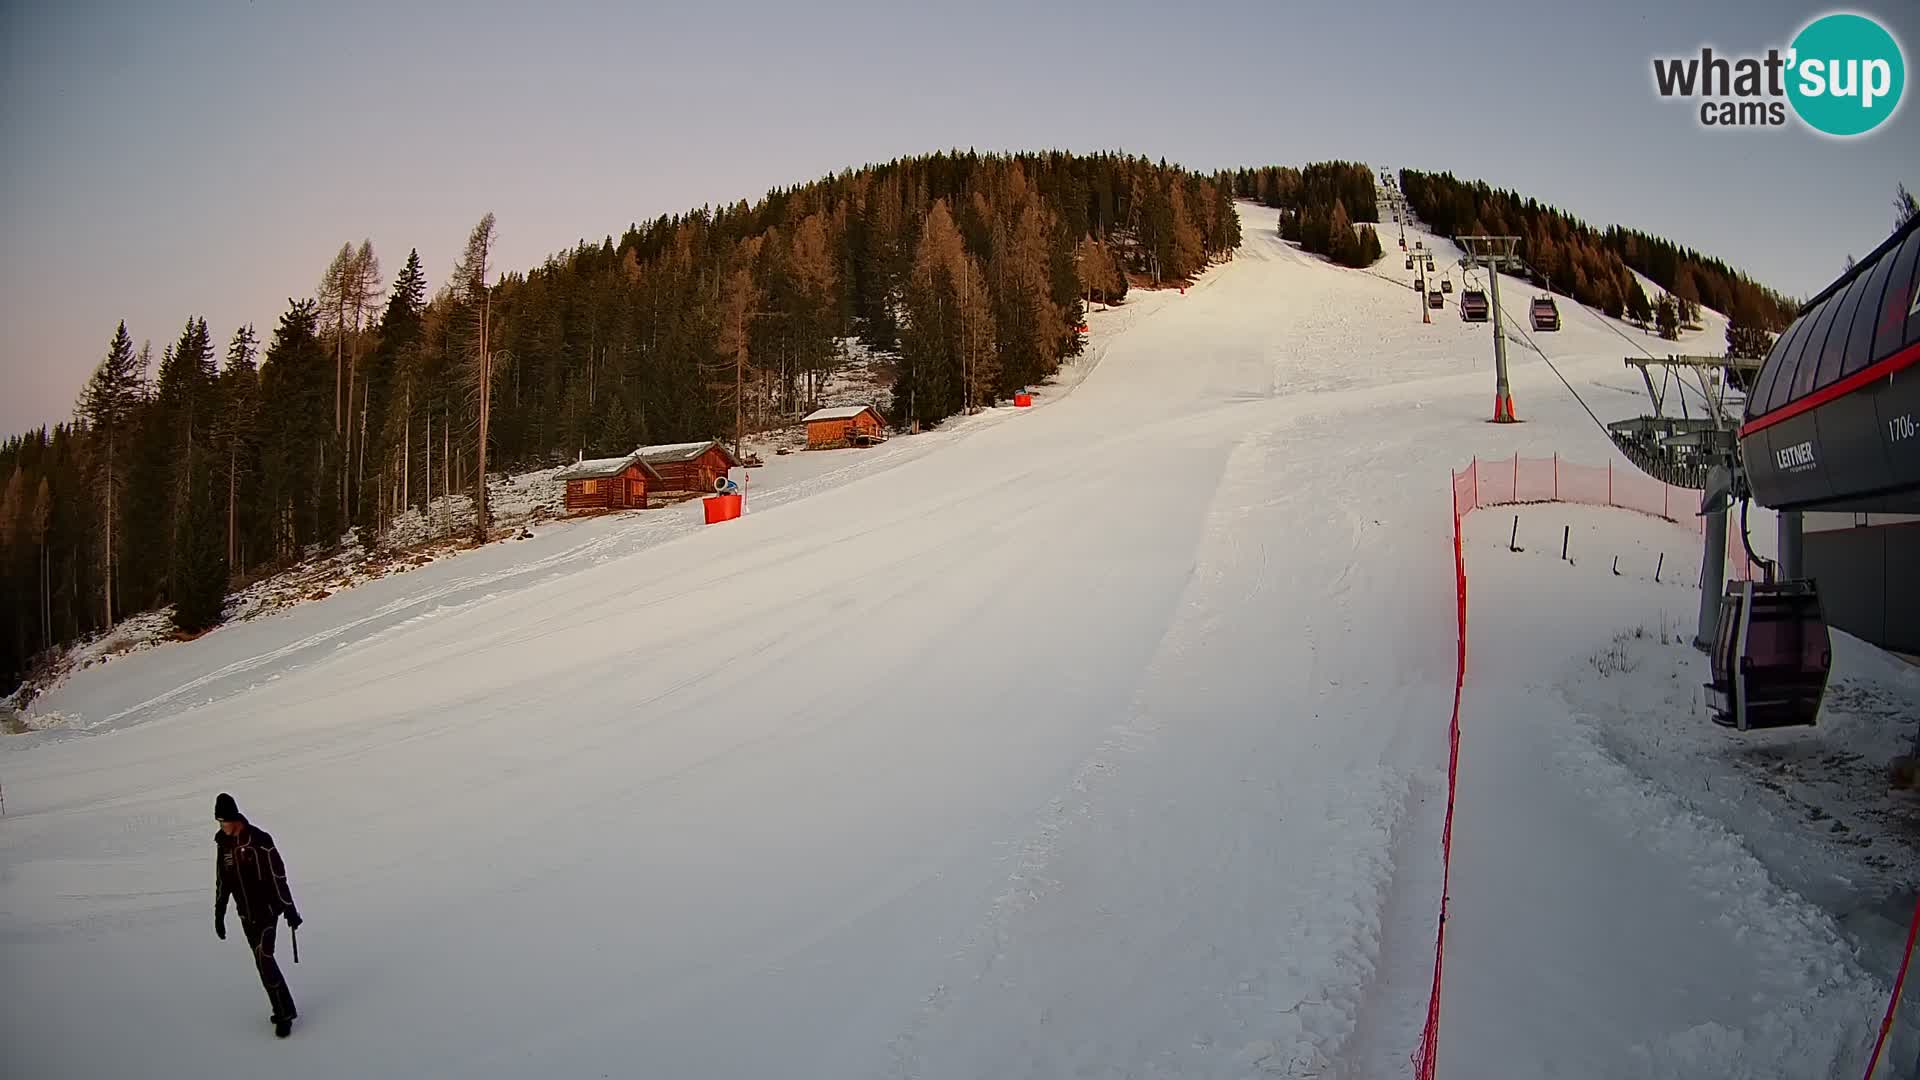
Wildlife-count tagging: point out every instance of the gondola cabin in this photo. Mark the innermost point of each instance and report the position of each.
(1429, 266)
(1446, 285)
(853, 425)
(1436, 299)
(617, 483)
(690, 467)
(1546, 314)
(1409, 262)
(1473, 305)
(1418, 244)
(1771, 655)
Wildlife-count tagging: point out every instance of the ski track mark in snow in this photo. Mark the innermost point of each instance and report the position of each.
(1100, 738)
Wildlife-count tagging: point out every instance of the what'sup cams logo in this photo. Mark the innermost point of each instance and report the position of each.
(1842, 76)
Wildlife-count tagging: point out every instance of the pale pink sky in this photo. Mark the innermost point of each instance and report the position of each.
(162, 161)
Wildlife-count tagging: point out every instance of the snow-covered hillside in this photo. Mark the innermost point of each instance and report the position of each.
(1102, 738)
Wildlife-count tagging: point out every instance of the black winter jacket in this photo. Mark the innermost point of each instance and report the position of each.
(247, 867)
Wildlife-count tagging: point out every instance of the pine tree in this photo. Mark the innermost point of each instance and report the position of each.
(1371, 251)
(1341, 245)
(947, 346)
(1746, 338)
(1905, 207)
(38, 522)
(1028, 321)
(616, 429)
(1667, 317)
(473, 331)
(200, 581)
(181, 425)
(236, 435)
(1639, 310)
(295, 400)
(108, 407)
(393, 398)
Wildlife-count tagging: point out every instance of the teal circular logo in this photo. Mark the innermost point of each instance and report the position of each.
(1846, 74)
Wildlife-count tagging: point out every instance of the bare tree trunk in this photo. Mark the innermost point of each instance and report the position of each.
(109, 592)
(739, 387)
(480, 447)
(360, 483)
(233, 465)
(406, 452)
(339, 363)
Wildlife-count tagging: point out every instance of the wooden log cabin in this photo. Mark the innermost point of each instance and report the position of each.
(852, 425)
(619, 483)
(688, 467)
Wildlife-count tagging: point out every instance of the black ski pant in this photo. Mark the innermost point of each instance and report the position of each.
(260, 940)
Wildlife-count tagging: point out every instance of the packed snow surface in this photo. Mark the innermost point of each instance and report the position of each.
(1103, 738)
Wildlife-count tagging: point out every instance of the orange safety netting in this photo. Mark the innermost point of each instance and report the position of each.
(1532, 480)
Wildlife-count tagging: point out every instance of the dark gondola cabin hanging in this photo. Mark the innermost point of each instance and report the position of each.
(1771, 655)
(1546, 314)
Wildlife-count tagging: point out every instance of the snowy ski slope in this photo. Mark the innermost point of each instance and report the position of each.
(1105, 738)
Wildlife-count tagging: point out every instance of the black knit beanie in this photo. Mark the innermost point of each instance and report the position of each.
(225, 810)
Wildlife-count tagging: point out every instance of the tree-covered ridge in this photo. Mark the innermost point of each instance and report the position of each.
(1589, 264)
(173, 482)
(1319, 205)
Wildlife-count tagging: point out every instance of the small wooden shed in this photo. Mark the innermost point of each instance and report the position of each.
(851, 425)
(690, 466)
(618, 483)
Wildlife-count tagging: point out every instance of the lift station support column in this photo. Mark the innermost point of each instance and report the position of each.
(1496, 253)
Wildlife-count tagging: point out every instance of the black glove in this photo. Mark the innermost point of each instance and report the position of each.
(293, 919)
(220, 927)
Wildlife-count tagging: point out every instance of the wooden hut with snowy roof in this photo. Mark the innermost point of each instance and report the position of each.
(851, 425)
(615, 483)
(688, 466)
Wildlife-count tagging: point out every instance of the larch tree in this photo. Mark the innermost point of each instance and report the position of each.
(816, 284)
(738, 301)
(1030, 324)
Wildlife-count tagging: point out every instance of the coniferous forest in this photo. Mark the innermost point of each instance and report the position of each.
(222, 459)
(1319, 206)
(232, 453)
(1592, 265)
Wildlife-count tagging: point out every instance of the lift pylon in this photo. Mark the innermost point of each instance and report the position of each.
(1496, 253)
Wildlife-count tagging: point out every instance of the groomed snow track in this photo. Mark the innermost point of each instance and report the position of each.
(1105, 738)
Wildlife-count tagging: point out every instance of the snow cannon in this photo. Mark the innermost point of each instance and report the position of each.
(721, 508)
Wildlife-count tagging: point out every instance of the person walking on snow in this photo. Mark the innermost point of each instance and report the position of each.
(247, 867)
